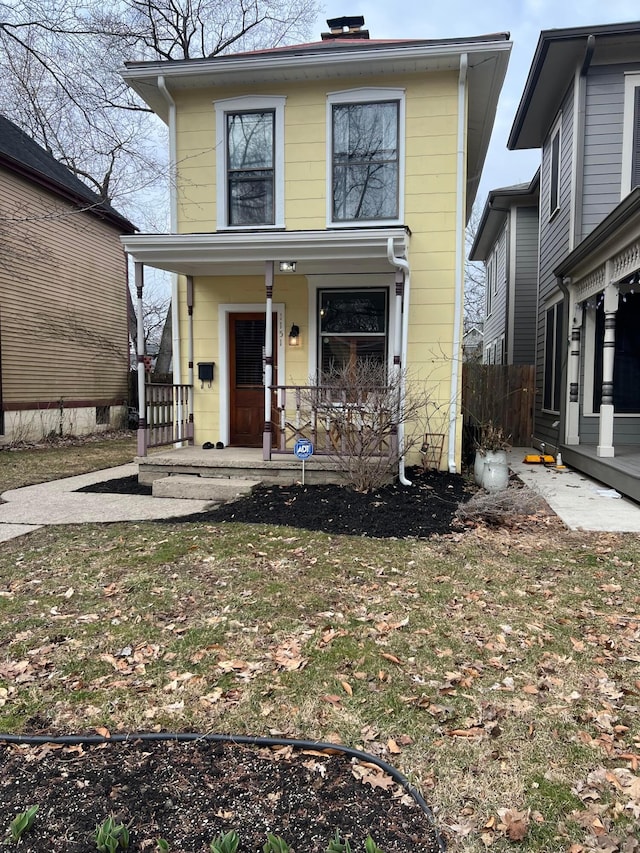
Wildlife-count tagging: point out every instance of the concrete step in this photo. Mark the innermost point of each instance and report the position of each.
(190, 486)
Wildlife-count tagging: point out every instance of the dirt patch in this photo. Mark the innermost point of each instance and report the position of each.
(188, 793)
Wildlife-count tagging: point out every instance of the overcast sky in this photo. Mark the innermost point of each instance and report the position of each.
(523, 19)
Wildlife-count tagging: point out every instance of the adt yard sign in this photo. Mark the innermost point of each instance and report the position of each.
(303, 448)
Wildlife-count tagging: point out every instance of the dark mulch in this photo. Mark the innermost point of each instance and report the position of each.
(188, 793)
(424, 509)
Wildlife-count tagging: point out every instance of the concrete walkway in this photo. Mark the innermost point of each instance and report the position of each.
(581, 503)
(58, 502)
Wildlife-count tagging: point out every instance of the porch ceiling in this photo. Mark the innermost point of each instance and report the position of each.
(235, 253)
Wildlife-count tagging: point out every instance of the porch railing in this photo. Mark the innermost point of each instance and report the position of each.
(338, 421)
(168, 416)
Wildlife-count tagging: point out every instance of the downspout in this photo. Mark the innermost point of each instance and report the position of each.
(173, 224)
(459, 268)
(403, 265)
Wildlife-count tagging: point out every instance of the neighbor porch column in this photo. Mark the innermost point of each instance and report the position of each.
(268, 361)
(142, 403)
(573, 410)
(190, 355)
(605, 437)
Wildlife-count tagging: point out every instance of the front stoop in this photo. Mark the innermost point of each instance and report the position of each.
(193, 487)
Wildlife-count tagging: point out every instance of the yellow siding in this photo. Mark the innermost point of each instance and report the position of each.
(430, 214)
(63, 309)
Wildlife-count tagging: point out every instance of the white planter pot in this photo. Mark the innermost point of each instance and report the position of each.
(478, 467)
(495, 474)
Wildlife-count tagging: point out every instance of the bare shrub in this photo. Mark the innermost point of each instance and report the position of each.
(362, 411)
(505, 508)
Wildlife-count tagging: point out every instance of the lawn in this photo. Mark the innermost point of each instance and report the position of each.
(498, 669)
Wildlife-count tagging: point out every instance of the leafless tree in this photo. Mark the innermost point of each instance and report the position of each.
(474, 279)
(59, 61)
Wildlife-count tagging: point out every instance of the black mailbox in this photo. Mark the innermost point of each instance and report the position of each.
(205, 371)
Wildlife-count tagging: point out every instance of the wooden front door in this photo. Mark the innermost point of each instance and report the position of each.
(246, 379)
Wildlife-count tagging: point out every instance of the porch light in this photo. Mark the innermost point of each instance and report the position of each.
(294, 336)
(287, 266)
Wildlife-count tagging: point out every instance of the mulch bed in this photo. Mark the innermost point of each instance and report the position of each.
(424, 509)
(188, 793)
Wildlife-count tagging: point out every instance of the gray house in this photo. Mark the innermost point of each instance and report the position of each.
(507, 242)
(581, 106)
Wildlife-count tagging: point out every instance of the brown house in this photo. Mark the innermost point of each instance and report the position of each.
(64, 346)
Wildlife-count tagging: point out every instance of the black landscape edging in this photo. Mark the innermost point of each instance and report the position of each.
(246, 740)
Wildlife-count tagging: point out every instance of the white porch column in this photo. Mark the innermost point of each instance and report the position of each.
(605, 437)
(268, 361)
(190, 354)
(573, 408)
(142, 403)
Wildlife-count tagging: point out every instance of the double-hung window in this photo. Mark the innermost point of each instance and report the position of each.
(553, 349)
(366, 156)
(554, 171)
(250, 162)
(631, 135)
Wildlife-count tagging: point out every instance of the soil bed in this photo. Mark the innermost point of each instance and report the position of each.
(187, 793)
(424, 509)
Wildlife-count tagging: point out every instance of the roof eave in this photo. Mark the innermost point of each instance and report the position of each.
(492, 217)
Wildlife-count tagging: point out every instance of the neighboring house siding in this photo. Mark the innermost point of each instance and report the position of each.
(496, 322)
(602, 144)
(554, 245)
(525, 289)
(63, 302)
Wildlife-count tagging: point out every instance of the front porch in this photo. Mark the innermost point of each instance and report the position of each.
(620, 472)
(240, 463)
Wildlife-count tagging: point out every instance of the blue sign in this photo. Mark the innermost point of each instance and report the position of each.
(303, 448)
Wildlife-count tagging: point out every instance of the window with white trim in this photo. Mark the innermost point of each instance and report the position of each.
(250, 162)
(553, 354)
(631, 135)
(554, 171)
(366, 156)
(492, 281)
(353, 328)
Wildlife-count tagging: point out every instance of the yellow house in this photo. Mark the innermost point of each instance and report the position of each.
(319, 199)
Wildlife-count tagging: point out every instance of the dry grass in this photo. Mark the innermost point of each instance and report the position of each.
(500, 670)
(28, 465)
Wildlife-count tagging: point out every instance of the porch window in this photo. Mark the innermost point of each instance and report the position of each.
(353, 329)
(553, 352)
(365, 151)
(626, 367)
(250, 162)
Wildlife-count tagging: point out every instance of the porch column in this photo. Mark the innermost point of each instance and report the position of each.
(573, 411)
(605, 437)
(142, 403)
(190, 355)
(268, 361)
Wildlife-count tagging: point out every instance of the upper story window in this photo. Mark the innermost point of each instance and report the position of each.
(366, 156)
(492, 282)
(250, 162)
(554, 171)
(631, 135)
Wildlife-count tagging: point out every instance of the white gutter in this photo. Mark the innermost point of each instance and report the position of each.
(459, 268)
(402, 264)
(173, 224)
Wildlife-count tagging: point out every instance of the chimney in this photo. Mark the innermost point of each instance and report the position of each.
(346, 28)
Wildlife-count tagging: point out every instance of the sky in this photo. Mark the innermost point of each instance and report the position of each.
(523, 19)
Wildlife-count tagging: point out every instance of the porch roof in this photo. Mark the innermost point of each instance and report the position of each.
(244, 253)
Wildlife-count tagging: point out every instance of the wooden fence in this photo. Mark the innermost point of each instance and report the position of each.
(501, 394)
